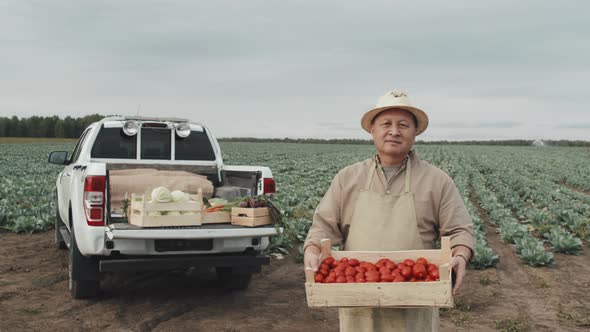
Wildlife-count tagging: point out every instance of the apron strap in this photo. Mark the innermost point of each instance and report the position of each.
(408, 173)
(370, 177)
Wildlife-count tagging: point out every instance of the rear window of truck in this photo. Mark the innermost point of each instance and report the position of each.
(194, 147)
(113, 143)
(155, 143)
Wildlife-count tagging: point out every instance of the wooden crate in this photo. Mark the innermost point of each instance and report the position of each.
(384, 294)
(219, 217)
(140, 209)
(250, 216)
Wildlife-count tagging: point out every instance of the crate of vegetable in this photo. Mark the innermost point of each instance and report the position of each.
(413, 278)
(214, 211)
(253, 211)
(165, 209)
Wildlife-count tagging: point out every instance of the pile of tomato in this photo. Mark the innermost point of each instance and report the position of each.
(351, 270)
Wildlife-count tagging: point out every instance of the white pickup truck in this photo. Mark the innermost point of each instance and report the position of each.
(98, 240)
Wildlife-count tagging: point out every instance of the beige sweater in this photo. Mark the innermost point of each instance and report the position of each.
(440, 210)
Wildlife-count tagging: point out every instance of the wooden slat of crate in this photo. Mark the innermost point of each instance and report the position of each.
(250, 212)
(172, 206)
(219, 217)
(162, 221)
(251, 222)
(399, 295)
(380, 294)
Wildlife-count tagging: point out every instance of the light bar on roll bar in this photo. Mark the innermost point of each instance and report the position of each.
(153, 118)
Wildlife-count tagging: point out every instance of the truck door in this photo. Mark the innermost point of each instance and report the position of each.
(66, 179)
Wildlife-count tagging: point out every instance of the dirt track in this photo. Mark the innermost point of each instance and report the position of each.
(33, 296)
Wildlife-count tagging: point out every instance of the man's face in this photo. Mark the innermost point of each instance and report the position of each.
(394, 132)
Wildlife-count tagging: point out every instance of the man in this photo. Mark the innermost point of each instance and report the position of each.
(392, 201)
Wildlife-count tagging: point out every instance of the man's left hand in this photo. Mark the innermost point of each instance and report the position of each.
(459, 265)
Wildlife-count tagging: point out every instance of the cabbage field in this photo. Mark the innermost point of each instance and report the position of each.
(538, 198)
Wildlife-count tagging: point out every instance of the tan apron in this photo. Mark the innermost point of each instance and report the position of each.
(383, 222)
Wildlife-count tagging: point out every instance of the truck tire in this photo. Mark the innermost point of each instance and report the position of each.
(84, 276)
(60, 243)
(230, 278)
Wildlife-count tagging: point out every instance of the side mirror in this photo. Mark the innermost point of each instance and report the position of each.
(58, 157)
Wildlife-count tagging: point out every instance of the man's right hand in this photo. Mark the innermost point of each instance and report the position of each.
(311, 258)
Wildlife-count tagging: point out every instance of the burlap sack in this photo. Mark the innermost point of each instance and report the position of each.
(144, 180)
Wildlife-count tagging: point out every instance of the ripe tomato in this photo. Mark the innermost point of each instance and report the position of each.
(390, 265)
(409, 262)
(381, 262)
(413, 279)
(330, 280)
(396, 273)
(360, 269)
(339, 273)
(365, 265)
(361, 280)
(373, 279)
(343, 260)
(429, 278)
(353, 262)
(386, 278)
(372, 276)
(422, 261)
(419, 271)
(319, 278)
(350, 271)
(324, 266)
(350, 279)
(401, 266)
(342, 266)
(341, 279)
(359, 276)
(399, 278)
(434, 274)
(432, 267)
(406, 272)
(384, 270)
(324, 272)
(328, 260)
(335, 264)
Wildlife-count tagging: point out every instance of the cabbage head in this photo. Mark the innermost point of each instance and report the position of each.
(179, 196)
(161, 195)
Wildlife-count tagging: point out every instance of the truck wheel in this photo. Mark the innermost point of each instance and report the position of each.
(230, 278)
(59, 240)
(83, 273)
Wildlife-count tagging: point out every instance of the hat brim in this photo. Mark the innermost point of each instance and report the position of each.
(420, 115)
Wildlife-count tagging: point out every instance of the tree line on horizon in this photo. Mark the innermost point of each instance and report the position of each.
(69, 127)
(46, 126)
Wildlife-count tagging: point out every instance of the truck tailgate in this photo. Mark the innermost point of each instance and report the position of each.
(127, 231)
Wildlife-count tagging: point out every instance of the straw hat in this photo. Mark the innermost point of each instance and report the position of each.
(392, 100)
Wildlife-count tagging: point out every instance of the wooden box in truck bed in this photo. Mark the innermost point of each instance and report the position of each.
(251, 217)
(146, 214)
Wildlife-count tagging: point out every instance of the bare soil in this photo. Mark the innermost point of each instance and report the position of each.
(34, 297)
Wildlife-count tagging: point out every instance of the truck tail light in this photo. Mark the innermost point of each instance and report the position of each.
(94, 199)
(269, 186)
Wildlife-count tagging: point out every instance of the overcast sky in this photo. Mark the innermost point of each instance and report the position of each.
(480, 69)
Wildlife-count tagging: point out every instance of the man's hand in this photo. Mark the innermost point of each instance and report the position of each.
(459, 265)
(311, 258)
(461, 255)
